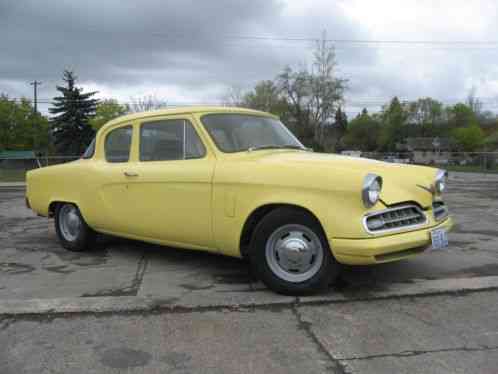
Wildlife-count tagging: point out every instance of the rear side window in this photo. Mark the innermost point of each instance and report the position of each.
(118, 144)
(169, 140)
(90, 151)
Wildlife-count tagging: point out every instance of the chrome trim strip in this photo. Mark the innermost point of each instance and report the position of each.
(395, 229)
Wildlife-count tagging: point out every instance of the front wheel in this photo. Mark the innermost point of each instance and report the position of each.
(290, 254)
(73, 232)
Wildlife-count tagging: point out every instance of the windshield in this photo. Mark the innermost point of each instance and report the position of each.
(242, 132)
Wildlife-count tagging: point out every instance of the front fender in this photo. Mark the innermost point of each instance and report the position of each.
(339, 212)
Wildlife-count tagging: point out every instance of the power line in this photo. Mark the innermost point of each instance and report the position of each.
(368, 41)
(189, 34)
(184, 34)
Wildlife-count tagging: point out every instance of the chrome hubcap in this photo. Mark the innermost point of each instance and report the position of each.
(294, 253)
(70, 222)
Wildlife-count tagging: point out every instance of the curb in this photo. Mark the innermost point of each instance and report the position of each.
(127, 304)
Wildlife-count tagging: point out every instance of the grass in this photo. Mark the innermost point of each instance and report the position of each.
(12, 175)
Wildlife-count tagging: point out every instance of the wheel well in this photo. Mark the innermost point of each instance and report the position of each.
(52, 207)
(256, 216)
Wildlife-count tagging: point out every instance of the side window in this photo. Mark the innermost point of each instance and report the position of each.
(90, 151)
(194, 148)
(118, 144)
(169, 140)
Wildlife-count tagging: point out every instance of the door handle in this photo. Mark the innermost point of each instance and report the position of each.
(130, 174)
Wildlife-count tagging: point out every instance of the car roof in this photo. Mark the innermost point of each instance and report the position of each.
(185, 110)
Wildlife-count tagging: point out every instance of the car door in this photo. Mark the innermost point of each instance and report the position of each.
(171, 193)
(113, 180)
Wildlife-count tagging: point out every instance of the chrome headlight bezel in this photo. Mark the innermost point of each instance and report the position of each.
(440, 182)
(372, 187)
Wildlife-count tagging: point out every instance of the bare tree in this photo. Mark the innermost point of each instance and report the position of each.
(327, 90)
(473, 101)
(313, 96)
(234, 97)
(145, 104)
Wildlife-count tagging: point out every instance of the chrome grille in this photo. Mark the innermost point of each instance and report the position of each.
(440, 210)
(396, 218)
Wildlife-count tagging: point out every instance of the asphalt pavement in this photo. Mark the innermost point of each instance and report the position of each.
(142, 308)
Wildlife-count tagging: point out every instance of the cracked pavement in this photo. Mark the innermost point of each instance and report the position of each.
(165, 310)
(459, 334)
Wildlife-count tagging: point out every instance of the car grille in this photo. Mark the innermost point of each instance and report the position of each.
(395, 218)
(440, 210)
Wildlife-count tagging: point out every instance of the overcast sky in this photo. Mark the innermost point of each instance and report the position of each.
(188, 51)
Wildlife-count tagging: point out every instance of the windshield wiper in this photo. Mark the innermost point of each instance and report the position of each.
(276, 146)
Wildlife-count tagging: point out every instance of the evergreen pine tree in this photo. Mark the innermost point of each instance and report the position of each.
(71, 112)
(340, 125)
(341, 121)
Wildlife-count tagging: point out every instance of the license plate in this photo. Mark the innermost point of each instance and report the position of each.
(439, 239)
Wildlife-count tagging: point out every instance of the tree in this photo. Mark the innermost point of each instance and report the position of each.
(362, 132)
(234, 97)
(145, 104)
(394, 117)
(296, 92)
(460, 115)
(427, 114)
(473, 102)
(106, 111)
(71, 114)
(266, 97)
(313, 96)
(339, 129)
(326, 88)
(20, 127)
(469, 138)
(491, 141)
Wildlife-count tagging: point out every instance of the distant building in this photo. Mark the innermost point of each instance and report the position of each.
(427, 150)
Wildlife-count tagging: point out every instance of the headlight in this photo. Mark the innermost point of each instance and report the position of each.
(440, 184)
(372, 185)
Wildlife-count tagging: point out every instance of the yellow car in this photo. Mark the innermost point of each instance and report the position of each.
(237, 182)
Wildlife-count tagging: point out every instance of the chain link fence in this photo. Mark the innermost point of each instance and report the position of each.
(14, 169)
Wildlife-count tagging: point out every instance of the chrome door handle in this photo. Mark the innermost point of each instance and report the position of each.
(130, 174)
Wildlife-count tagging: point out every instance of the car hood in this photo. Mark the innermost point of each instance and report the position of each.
(401, 182)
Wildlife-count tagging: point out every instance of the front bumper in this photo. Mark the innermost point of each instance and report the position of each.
(389, 248)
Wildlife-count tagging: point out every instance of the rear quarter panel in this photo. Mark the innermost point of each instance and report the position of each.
(67, 182)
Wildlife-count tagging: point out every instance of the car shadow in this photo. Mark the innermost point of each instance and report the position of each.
(221, 270)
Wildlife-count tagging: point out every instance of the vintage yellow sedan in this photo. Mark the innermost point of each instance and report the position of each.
(237, 182)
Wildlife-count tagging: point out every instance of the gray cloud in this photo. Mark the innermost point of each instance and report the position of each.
(102, 40)
(186, 46)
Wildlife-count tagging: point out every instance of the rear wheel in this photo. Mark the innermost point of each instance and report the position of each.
(290, 254)
(73, 232)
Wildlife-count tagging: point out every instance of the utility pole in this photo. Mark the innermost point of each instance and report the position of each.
(35, 85)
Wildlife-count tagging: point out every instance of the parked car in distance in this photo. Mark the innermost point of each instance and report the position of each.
(237, 182)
